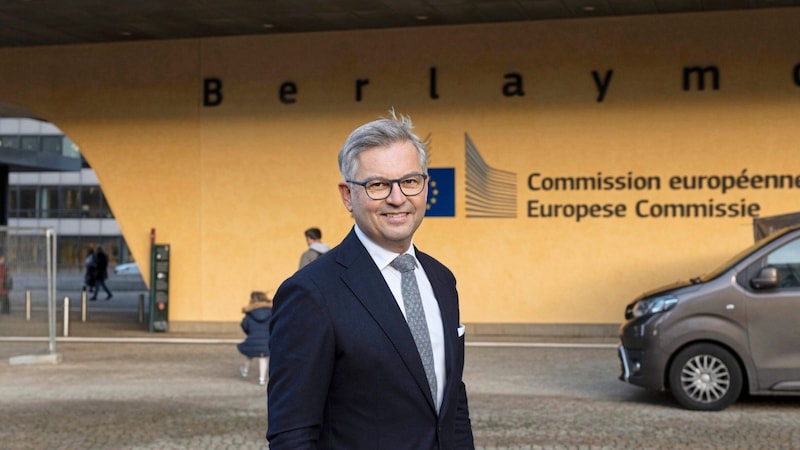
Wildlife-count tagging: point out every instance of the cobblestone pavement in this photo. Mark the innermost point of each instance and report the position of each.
(121, 388)
(117, 395)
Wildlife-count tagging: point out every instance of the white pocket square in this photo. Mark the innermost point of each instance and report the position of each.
(461, 329)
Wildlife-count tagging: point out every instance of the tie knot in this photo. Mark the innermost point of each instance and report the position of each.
(403, 263)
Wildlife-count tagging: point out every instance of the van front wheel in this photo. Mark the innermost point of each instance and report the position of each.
(705, 377)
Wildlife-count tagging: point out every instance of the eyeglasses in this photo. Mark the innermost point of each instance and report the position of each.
(381, 188)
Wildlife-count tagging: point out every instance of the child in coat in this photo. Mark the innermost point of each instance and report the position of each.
(255, 325)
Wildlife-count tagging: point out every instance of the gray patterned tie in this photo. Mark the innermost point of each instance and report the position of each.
(415, 315)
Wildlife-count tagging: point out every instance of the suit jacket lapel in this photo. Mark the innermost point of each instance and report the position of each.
(366, 282)
(449, 318)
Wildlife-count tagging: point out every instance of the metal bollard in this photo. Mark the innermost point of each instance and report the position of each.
(28, 305)
(66, 316)
(141, 308)
(83, 306)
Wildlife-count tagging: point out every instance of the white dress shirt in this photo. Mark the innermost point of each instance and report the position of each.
(383, 258)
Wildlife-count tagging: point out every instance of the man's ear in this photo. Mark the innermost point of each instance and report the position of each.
(346, 193)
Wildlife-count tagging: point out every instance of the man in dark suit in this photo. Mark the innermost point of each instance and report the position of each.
(345, 371)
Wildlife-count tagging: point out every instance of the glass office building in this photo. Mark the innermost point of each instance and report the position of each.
(51, 186)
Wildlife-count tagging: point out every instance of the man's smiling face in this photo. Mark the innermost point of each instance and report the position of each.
(391, 222)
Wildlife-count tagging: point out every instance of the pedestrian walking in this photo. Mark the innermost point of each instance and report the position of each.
(90, 273)
(6, 284)
(255, 325)
(316, 247)
(102, 273)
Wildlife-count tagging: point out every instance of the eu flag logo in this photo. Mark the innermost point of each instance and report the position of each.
(441, 193)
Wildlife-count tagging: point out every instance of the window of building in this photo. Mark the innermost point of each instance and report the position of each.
(31, 143)
(48, 204)
(13, 199)
(52, 144)
(106, 209)
(91, 202)
(66, 202)
(69, 148)
(72, 251)
(9, 142)
(27, 202)
(71, 201)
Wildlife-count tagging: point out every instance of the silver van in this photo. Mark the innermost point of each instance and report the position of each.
(733, 330)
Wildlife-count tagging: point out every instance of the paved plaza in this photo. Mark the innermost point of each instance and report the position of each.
(120, 387)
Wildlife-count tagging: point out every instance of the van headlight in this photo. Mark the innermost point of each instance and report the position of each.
(654, 305)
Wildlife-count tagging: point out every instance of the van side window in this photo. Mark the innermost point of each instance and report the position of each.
(787, 260)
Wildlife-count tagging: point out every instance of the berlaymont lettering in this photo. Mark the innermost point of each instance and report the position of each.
(510, 84)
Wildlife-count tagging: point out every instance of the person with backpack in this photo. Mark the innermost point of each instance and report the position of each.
(316, 247)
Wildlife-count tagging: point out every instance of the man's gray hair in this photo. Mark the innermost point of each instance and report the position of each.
(379, 133)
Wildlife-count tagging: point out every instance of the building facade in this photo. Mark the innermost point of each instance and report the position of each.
(585, 162)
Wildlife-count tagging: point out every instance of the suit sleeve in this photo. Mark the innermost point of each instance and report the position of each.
(463, 426)
(301, 365)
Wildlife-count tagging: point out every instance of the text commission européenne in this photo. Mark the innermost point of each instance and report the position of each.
(645, 208)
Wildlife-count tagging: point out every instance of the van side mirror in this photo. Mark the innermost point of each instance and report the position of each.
(767, 279)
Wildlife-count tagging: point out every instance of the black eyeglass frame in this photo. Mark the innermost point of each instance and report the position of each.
(391, 184)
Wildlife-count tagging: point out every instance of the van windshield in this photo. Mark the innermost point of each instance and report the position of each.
(724, 267)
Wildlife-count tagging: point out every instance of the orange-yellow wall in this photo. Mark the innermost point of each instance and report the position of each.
(232, 187)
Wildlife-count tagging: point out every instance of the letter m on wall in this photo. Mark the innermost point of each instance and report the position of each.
(701, 74)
